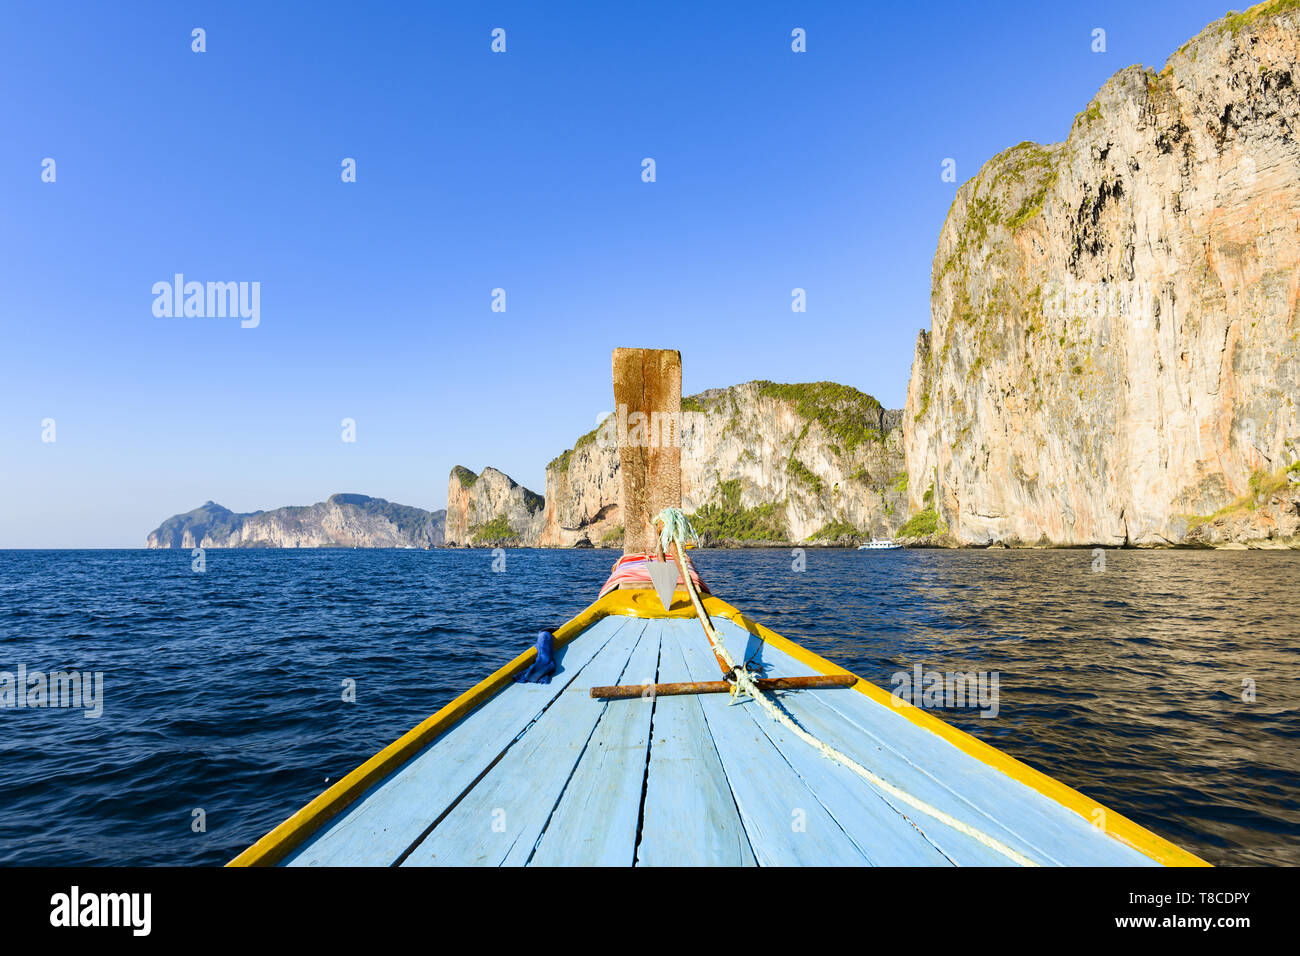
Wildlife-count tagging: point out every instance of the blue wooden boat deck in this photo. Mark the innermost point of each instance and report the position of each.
(542, 775)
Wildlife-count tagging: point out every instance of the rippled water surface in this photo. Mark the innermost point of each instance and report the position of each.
(223, 690)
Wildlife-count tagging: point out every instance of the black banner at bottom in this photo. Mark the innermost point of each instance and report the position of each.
(776, 906)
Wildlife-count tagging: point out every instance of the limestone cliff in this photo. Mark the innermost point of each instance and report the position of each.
(583, 490)
(761, 462)
(490, 509)
(343, 521)
(1113, 350)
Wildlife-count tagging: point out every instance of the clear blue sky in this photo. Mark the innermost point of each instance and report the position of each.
(475, 171)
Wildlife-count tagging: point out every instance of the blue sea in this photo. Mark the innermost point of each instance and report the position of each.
(1164, 684)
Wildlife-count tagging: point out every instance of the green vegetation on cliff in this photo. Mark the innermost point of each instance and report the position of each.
(850, 417)
(925, 406)
(1262, 485)
(533, 501)
(561, 461)
(920, 525)
(925, 522)
(496, 531)
(726, 520)
(1033, 203)
(1236, 22)
(834, 531)
(1089, 115)
(467, 477)
(405, 518)
(803, 473)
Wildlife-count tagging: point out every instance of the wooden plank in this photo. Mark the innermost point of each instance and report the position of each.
(783, 819)
(1118, 827)
(499, 821)
(648, 382)
(596, 820)
(933, 770)
(690, 816)
(393, 814)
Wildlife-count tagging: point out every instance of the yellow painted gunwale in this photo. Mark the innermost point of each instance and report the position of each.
(285, 838)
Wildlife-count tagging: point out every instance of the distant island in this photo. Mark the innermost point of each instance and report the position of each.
(342, 521)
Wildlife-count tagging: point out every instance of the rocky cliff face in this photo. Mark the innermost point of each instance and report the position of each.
(1267, 517)
(1113, 354)
(761, 462)
(491, 509)
(583, 491)
(343, 521)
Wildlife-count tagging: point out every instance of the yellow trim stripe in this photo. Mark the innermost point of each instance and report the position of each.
(290, 834)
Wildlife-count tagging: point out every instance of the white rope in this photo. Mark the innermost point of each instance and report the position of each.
(745, 682)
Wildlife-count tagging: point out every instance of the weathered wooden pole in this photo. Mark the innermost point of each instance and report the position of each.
(628, 691)
(648, 406)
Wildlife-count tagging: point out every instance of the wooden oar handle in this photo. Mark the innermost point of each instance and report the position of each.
(625, 691)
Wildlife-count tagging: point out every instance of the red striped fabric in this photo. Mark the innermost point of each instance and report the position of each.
(631, 569)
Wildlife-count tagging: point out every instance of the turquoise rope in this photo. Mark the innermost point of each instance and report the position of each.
(677, 527)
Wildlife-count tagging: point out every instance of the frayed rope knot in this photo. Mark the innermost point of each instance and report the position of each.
(676, 527)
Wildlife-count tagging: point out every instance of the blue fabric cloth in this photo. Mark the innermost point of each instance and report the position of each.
(541, 670)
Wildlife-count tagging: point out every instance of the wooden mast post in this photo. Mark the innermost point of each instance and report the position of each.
(648, 406)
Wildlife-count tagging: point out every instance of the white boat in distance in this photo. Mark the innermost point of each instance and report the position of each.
(879, 544)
